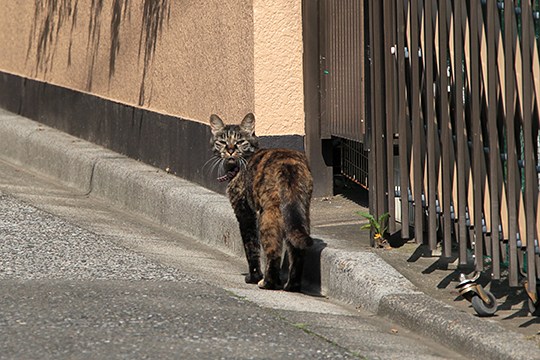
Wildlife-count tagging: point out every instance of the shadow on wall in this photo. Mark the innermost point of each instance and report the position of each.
(51, 16)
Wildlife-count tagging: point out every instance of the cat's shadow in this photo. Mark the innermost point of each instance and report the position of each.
(311, 279)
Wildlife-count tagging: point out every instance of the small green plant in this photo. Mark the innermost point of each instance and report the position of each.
(379, 226)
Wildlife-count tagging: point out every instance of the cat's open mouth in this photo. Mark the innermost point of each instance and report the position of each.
(229, 175)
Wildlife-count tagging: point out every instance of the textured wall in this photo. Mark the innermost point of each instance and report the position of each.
(279, 92)
(184, 58)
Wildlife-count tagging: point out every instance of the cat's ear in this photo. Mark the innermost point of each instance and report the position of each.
(216, 124)
(248, 124)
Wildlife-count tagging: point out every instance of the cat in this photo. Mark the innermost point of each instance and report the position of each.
(270, 191)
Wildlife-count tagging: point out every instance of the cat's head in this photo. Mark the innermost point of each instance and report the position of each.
(233, 144)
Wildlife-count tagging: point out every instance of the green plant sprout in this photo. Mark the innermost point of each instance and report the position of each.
(379, 227)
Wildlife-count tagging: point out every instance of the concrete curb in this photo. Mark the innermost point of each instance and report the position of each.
(361, 279)
(479, 338)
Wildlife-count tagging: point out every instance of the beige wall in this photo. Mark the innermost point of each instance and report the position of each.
(279, 91)
(216, 56)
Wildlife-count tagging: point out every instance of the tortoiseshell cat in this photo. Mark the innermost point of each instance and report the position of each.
(270, 192)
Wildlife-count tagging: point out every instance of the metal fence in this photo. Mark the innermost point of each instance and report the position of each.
(342, 63)
(454, 145)
(343, 94)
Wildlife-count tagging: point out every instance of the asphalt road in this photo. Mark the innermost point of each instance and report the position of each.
(80, 279)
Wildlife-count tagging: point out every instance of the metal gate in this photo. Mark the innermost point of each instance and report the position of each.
(454, 114)
(342, 80)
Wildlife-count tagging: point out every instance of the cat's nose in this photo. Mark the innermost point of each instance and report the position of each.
(230, 151)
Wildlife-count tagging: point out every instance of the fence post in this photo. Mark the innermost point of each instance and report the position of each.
(531, 177)
(377, 193)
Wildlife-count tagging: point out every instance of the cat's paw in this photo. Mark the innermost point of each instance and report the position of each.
(253, 278)
(267, 285)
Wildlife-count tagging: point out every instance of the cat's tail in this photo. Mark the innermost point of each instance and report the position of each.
(296, 219)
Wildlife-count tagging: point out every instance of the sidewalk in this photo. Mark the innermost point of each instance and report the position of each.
(419, 294)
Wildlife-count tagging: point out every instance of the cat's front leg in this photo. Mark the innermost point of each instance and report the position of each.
(248, 230)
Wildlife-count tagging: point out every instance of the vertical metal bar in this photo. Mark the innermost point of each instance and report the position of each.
(332, 64)
(345, 103)
(389, 86)
(446, 134)
(354, 113)
(357, 93)
(336, 70)
(360, 115)
(380, 118)
(494, 155)
(344, 12)
(531, 180)
(346, 88)
(403, 122)
(512, 169)
(376, 187)
(362, 52)
(431, 126)
(323, 64)
(335, 73)
(353, 86)
(370, 122)
(418, 127)
(462, 171)
(477, 149)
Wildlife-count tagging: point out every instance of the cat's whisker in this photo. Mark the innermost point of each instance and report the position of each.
(211, 164)
(213, 158)
(211, 161)
(243, 163)
(215, 165)
(221, 168)
(219, 165)
(213, 168)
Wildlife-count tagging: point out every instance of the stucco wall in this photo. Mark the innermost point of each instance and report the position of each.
(278, 50)
(183, 58)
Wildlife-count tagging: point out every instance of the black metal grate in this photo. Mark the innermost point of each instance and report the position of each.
(354, 162)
